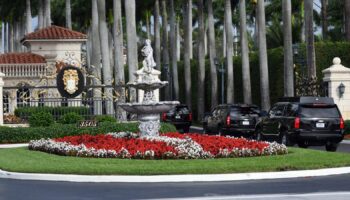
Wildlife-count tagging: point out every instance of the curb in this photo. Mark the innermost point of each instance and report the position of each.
(174, 178)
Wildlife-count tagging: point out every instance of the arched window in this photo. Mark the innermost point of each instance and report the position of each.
(23, 96)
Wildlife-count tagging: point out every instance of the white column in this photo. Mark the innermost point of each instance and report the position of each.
(1, 99)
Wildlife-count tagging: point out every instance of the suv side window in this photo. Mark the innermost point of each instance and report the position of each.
(291, 110)
(277, 110)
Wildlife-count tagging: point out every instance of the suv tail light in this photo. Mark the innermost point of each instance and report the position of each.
(190, 116)
(164, 116)
(342, 124)
(228, 120)
(297, 122)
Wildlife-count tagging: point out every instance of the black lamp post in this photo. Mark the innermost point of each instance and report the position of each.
(169, 79)
(221, 68)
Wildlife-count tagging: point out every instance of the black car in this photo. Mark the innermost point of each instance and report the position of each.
(232, 119)
(180, 117)
(306, 121)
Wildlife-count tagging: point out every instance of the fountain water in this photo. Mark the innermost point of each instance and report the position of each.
(148, 111)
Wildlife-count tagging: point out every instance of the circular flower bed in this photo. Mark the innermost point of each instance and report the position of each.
(167, 146)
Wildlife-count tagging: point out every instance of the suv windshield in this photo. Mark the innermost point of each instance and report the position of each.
(330, 111)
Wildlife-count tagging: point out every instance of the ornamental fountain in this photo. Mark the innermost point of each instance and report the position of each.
(149, 109)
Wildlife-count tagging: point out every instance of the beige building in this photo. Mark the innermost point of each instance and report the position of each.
(48, 50)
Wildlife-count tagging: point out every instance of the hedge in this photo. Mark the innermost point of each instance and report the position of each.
(26, 112)
(325, 52)
(23, 135)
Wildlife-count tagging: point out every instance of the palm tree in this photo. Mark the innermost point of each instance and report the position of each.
(47, 13)
(288, 54)
(131, 43)
(189, 9)
(173, 52)
(201, 61)
(187, 54)
(96, 57)
(157, 34)
(229, 52)
(165, 49)
(264, 70)
(106, 66)
(347, 20)
(324, 17)
(309, 36)
(28, 17)
(212, 55)
(247, 91)
(118, 55)
(68, 15)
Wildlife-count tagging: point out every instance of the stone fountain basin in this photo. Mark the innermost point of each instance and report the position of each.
(153, 85)
(149, 108)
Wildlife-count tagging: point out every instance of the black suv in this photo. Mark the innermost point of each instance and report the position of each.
(180, 117)
(232, 119)
(307, 121)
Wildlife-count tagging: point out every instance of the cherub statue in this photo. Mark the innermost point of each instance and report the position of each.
(147, 51)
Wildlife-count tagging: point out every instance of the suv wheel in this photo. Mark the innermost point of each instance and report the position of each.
(284, 138)
(331, 147)
(186, 129)
(302, 145)
(258, 135)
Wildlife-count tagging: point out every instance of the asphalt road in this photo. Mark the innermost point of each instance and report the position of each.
(333, 186)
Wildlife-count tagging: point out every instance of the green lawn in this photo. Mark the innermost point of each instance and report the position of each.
(23, 160)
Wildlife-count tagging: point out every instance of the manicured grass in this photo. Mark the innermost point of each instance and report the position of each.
(23, 160)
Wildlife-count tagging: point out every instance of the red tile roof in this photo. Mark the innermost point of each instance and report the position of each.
(20, 58)
(54, 32)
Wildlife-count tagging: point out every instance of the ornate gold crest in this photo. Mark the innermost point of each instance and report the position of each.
(70, 80)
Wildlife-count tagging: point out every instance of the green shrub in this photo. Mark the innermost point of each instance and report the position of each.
(22, 135)
(105, 118)
(41, 119)
(347, 126)
(70, 118)
(57, 112)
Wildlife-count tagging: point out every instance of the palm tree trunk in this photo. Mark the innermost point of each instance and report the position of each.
(2, 24)
(11, 36)
(212, 55)
(190, 28)
(106, 66)
(157, 34)
(28, 17)
(324, 19)
(41, 14)
(5, 37)
(309, 33)
(288, 53)
(96, 58)
(224, 39)
(130, 9)
(347, 20)
(148, 26)
(165, 49)
(201, 62)
(187, 54)
(68, 15)
(118, 56)
(247, 91)
(229, 52)
(264, 70)
(178, 38)
(47, 13)
(173, 57)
